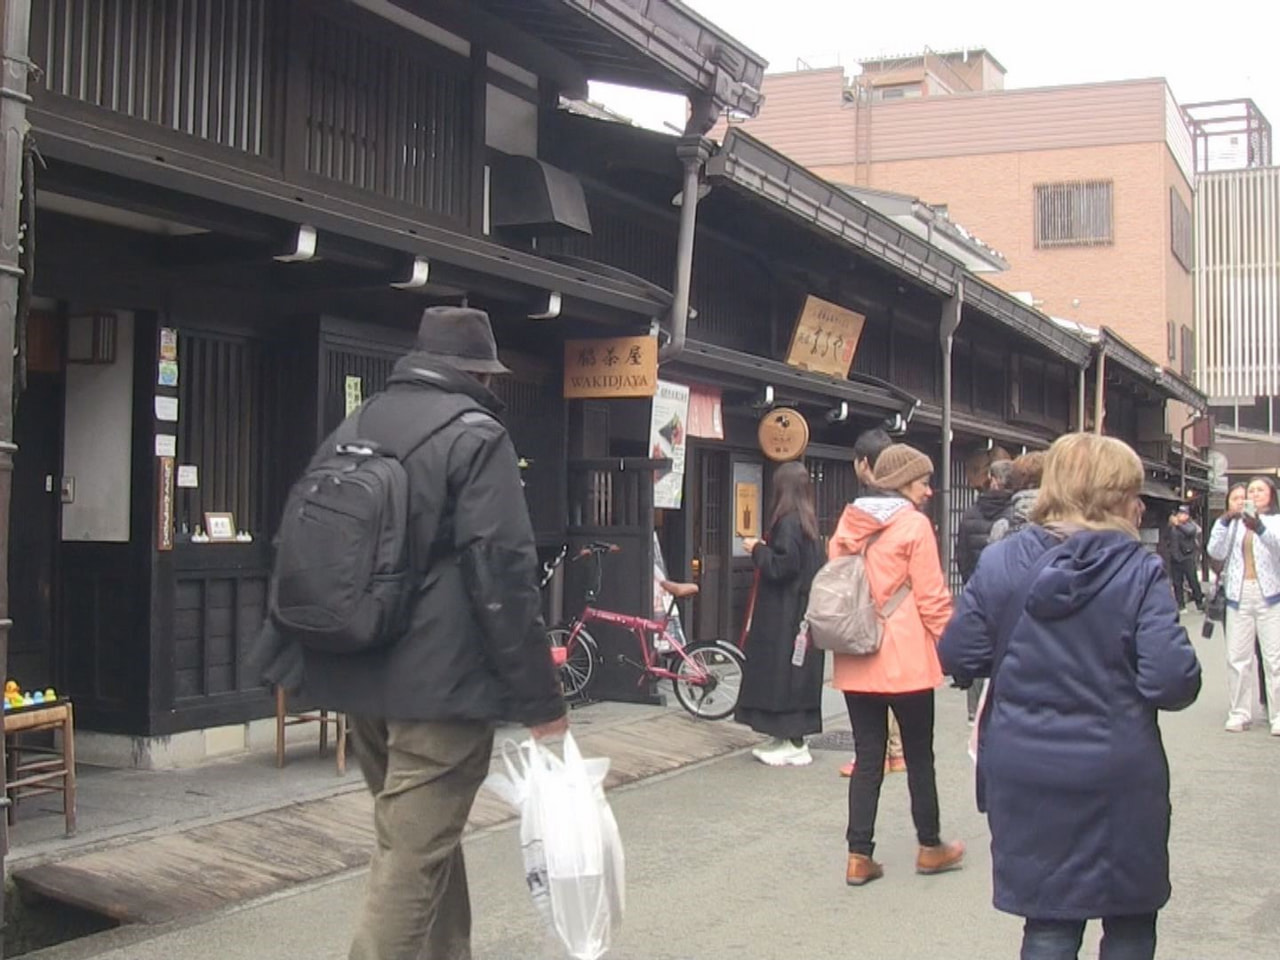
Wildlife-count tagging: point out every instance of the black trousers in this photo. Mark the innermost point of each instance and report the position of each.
(1184, 572)
(869, 716)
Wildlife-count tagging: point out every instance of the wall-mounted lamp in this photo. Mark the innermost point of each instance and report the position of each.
(91, 338)
(767, 399)
(991, 443)
(304, 246)
(839, 414)
(553, 308)
(417, 276)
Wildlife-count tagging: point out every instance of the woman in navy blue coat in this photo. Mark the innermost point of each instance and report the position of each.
(1075, 623)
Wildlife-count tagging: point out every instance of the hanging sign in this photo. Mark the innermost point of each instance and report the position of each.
(164, 503)
(668, 437)
(613, 368)
(783, 434)
(825, 338)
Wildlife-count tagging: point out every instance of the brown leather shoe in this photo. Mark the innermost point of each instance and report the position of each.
(939, 859)
(862, 870)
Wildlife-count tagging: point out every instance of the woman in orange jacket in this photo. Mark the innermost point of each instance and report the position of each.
(901, 551)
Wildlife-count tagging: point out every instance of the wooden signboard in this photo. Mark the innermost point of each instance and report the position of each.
(783, 434)
(825, 338)
(164, 503)
(612, 368)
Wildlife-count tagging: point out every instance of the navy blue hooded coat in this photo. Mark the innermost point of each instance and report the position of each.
(1072, 772)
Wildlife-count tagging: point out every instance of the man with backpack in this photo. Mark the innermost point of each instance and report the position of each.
(406, 579)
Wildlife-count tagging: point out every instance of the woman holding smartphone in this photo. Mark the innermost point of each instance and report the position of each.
(1246, 541)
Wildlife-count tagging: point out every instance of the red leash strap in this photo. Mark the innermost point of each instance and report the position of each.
(751, 610)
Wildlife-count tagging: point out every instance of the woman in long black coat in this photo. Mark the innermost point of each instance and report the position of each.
(778, 698)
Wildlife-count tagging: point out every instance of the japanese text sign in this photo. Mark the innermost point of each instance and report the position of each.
(616, 367)
(825, 338)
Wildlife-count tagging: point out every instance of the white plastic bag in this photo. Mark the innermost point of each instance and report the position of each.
(569, 841)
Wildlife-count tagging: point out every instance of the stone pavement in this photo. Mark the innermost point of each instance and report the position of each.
(729, 859)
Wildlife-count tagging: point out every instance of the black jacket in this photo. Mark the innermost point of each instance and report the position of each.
(771, 686)
(975, 528)
(476, 647)
(1183, 541)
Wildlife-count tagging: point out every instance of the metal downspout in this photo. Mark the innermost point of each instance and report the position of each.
(693, 152)
(1099, 391)
(16, 27)
(1082, 397)
(947, 333)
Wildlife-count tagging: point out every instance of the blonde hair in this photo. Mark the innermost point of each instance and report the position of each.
(1090, 481)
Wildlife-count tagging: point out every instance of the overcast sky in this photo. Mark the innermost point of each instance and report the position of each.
(1206, 50)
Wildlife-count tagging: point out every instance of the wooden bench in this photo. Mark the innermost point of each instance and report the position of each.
(285, 719)
(33, 771)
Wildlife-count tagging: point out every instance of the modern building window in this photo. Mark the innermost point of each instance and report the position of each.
(1188, 352)
(898, 91)
(1171, 336)
(1180, 229)
(1074, 214)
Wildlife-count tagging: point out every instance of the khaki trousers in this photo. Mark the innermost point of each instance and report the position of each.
(424, 776)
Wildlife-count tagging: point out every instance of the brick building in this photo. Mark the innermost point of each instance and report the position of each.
(1085, 190)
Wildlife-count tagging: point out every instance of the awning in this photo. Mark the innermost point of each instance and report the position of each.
(729, 367)
(1160, 491)
(652, 44)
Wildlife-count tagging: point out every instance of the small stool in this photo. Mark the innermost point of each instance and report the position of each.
(323, 717)
(51, 770)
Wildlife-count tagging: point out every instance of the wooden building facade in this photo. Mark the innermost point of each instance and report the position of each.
(243, 207)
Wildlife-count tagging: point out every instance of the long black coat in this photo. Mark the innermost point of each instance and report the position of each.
(770, 683)
(1071, 767)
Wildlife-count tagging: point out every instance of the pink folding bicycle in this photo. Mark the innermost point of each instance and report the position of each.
(706, 676)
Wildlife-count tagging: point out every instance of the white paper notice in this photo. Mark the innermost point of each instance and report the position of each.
(667, 426)
(188, 476)
(167, 409)
(166, 445)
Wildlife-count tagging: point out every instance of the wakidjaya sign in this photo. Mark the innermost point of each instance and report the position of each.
(617, 367)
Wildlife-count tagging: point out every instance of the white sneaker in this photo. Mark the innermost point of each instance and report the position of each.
(1239, 726)
(766, 748)
(788, 755)
(1275, 729)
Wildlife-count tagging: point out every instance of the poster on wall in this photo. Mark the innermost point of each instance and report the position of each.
(748, 498)
(353, 394)
(668, 437)
(746, 510)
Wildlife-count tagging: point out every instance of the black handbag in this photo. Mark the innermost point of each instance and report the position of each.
(1215, 608)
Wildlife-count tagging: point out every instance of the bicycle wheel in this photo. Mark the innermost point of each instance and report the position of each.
(580, 663)
(716, 696)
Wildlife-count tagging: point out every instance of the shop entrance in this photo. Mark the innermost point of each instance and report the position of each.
(33, 513)
(711, 519)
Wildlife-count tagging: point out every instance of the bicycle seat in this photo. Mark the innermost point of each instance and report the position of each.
(680, 590)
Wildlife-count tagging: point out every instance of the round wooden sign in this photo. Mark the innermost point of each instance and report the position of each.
(783, 434)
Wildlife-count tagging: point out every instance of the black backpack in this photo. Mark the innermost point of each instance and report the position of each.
(344, 575)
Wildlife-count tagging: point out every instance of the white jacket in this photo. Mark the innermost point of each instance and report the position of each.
(1266, 556)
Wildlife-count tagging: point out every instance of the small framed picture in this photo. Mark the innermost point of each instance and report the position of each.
(221, 527)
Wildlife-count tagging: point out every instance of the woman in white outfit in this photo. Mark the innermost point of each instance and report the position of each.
(1246, 540)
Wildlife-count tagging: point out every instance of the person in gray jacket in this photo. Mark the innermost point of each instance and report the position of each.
(1027, 470)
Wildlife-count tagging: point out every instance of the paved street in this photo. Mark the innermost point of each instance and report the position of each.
(734, 860)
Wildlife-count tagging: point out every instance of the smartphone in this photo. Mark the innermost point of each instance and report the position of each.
(1250, 509)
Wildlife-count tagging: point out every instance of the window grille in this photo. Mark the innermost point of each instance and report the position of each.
(1180, 229)
(1074, 214)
